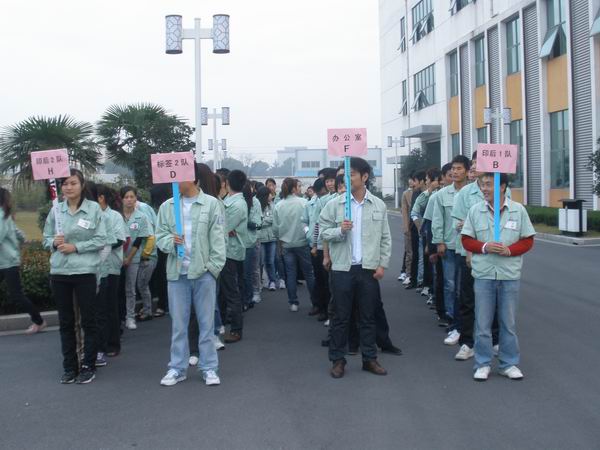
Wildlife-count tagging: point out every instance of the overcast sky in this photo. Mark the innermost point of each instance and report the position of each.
(295, 67)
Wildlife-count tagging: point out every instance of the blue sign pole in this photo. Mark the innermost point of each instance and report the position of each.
(497, 207)
(178, 222)
(348, 187)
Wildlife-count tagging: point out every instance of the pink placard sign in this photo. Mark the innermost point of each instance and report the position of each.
(500, 158)
(347, 141)
(172, 167)
(49, 164)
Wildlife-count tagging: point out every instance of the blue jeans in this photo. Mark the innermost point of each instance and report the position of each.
(202, 292)
(450, 267)
(249, 268)
(420, 267)
(268, 250)
(292, 257)
(501, 296)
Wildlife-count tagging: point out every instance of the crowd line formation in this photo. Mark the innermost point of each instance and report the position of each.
(109, 250)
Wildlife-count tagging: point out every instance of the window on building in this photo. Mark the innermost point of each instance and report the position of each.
(424, 82)
(455, 144)
(402, 46)
(453, 61)
(457, 5)
(559, 149)
(335, 163)
(479, 62)
(404, 108)
(555, 42)
(372, 162)
(311, 164)
(422, 20)
(512, 46)
(482, 135)
(516, 138)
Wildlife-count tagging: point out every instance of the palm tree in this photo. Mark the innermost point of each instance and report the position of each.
(44, 133)
(131, 133)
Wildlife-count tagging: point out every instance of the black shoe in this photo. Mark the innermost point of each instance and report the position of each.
(392, 350)
(322, 317)
(245, 308)
(325, 343)
(86, 375)
(68, 377)
(410, 286)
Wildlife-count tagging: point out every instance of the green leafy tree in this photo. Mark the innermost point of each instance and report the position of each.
(416, 160)
(594, 165)
(45, 133)
(131, 133)
(258, 168)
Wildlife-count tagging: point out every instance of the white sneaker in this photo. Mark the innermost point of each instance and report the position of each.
(425, 292)
(326, 323)
(172, 378)
(496, 350)
(294, 308)
(272, 286)
(464, 353)
(513, 373)
(452, 338)
(222, 329)
(256, 298)
(402, 276)
(193, 360)
(130, 324)
(211, 378)
(406, 281)
(281, 284)
(482, 373)
(218, 344)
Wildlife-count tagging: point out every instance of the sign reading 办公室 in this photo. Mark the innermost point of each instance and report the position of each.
(347, 141)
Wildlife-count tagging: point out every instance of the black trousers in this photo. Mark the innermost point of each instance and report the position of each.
(16, 295)
(230, 294)
(438, 289)
(64, 287)
(427, 269)
(158, 282)
(107, 315)
(414, 266)
(322, 292)
(355, 286)
(122, 297)
(382, 327)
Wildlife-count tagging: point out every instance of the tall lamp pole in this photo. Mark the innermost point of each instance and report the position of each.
(224, 116)
(394, 142)
(175, 34)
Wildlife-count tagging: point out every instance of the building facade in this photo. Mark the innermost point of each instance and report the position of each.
(444, 61)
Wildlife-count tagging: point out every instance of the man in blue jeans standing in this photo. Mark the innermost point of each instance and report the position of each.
(496, 268)
(193, 278)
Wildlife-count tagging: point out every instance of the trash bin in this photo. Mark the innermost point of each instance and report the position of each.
(572, 218)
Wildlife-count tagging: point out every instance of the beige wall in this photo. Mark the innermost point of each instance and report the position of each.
(556, 195)
(480, 104)
(558, 96)
(453, 125)
(514, 97)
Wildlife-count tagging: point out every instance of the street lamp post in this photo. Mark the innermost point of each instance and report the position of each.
(224, 116)
(213, 146)
(219, 34)
(395, 142)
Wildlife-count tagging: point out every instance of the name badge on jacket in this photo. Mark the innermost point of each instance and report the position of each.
(511, 225)
(134, 226)
(84, 224)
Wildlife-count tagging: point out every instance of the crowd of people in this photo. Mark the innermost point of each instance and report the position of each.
(112, 254)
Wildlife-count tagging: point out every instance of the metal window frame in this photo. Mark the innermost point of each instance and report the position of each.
(550, 40)
(402, 45)
(595, 29)
(479, 63)
(514, 48)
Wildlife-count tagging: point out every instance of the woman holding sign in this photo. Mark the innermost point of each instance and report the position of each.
(73, 267)
(11, 239)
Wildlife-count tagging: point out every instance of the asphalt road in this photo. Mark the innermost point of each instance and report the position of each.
(277, 393)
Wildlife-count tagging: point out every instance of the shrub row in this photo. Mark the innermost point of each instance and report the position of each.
(549, 216)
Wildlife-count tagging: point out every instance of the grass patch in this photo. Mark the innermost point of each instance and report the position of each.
(27, 221)
(543, 228)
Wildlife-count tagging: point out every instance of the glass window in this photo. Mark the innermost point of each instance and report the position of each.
(555, 42)
(457, 5)
(311, 164)
(455, 144)
(479, 62)
(512, 46)
(404, 109)
(559, 149)
(422, 19)
(402, 46)
(482, 135)
(372, 162)
(424, 82)
(516, 138)
(453, 74)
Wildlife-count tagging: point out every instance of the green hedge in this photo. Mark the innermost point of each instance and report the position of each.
(35, 269)
(549, 216)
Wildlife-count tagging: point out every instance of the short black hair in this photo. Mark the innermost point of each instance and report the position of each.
(446, 168)
(328, 173)
(474, 156)
(420, 175)
(462, 159)
(503, 177)
(223, 171)
(319, 185)
(270, 180)
(237, 179)
(339, 180)
(434, 174)
(360, 165)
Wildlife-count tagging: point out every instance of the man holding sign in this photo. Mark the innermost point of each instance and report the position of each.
(498, 232)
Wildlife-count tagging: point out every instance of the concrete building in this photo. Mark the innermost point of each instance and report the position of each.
(444, 61)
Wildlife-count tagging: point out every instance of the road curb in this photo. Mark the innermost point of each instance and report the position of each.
(560, 239)
(17, 322)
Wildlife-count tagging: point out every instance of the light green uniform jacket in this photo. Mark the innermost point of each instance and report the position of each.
(86, 230)
(208, 245)
(137, 226)
(254, 217)
(10, 243)
(376, 238)
(236, 218)
(514, 226)
(428, 215)
(287, 222)
(266, 233)
(442, 226)
(308, 218)
(115, 231)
